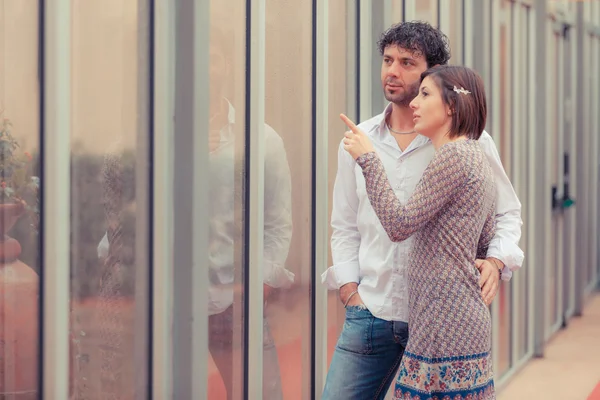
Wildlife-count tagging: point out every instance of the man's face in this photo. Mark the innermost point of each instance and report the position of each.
(400, 74)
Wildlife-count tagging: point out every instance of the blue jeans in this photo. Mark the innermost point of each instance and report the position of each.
(366, 357)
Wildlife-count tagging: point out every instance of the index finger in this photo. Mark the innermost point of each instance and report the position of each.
(349, 123)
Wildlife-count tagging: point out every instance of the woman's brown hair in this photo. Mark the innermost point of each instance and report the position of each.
(463, 91)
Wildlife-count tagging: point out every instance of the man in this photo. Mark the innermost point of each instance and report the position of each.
(368, 269)
(225, 234)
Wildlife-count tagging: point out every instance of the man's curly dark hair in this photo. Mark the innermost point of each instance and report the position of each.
(420, 38)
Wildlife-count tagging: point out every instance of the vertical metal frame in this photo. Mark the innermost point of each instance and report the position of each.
(570, 221)
(381, 14)
(517, 149)
(592, 161)
(597, 149)
(468, 33)
(352, 55)
(531, 178)
(255, 134)
(494, 69)
(494, 26)
(190, 201)
(321, 193)
(163, 199)
(592, 152)
(583, 114)
(596, 152)
(365, 60)
(388, 13)
(485, 29)
(143, 172)
(557, 31)
(479, 60)
(549, 103)
(56, 194)
(541, 221)
(589, 41)
(199, 130)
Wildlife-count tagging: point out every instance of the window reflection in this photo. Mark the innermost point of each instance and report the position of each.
(288, 135)
(507, 53)
(340, 70)
(109, 200)
(227, 194)
(19, 199)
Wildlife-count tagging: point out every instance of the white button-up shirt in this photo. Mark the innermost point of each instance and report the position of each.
(224, 229)
(361, 249)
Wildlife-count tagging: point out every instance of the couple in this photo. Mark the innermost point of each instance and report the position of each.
(429, 214)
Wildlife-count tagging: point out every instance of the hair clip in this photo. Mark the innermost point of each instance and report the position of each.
(461, 90)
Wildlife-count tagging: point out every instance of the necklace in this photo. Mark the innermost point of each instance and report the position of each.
(398, 132)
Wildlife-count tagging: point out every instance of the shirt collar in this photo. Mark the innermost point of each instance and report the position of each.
(380, 128)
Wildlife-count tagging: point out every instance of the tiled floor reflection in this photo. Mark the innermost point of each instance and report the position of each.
(284, 322)
(570, 369)
(87, 338)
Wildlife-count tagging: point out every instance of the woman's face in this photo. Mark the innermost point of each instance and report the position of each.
(431, 115)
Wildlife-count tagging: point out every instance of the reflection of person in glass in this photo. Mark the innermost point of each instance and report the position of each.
(226, 161)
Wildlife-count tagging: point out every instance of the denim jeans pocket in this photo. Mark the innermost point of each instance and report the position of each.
(356, 336)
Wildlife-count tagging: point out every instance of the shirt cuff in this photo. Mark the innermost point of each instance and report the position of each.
(510, 254)
(338, 275)
(277, 276)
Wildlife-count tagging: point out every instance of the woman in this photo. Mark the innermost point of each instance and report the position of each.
(451, 214)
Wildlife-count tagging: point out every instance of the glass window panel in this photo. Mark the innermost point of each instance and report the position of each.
(109, 198)
(19, 246)
(504, 69)
(455, 30)
(504, 331)
(426, 10)
(397, 11)
(288, 198)
(379, 24)
(342, 98)
(227, 194)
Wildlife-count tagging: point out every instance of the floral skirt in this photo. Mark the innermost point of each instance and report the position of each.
(447, 378)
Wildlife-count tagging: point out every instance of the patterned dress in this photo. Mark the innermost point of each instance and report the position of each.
(451, 214)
